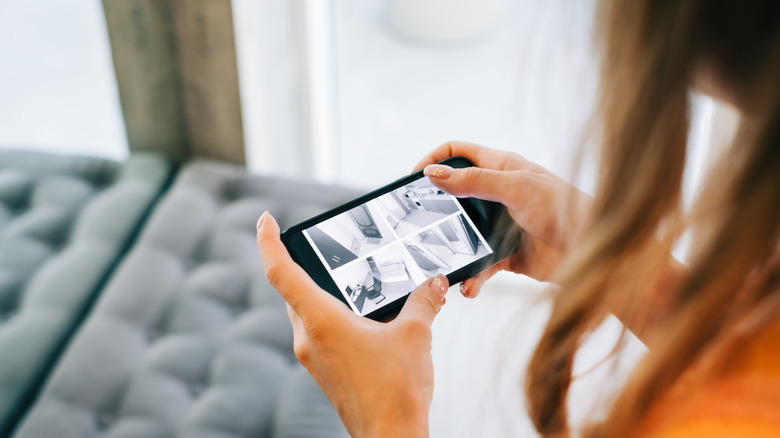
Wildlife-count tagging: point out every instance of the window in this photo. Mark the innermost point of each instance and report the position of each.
(57, 80)
(337, 90)
(341, 82)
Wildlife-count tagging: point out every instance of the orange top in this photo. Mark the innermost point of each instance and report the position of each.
(743, 401)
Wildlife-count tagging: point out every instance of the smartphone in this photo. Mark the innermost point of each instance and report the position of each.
(371, 252)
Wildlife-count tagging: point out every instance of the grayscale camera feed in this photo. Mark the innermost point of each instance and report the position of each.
(446, 247)
(350, 235)
(378, 279)
(416, 206)
(380, 251)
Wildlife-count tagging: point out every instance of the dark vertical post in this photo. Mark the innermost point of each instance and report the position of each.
(175, 63)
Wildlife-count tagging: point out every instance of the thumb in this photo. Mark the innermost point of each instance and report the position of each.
(475, 182)
(425, 302)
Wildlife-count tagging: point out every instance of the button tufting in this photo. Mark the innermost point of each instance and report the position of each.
(197, 347)
(152, 335)
(196, 388)
(6, 314)
(105, 419)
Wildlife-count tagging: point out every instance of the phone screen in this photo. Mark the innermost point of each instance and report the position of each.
(379, 251)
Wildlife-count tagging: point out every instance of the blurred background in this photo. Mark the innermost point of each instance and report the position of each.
(344, 91)
(355, 93)
(364, 87)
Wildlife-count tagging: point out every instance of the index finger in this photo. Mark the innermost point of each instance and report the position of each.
(293, 283)
(479, 155)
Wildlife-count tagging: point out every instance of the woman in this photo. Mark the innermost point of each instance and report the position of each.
(713, 327)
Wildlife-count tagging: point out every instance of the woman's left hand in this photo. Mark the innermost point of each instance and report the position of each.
(378, 376)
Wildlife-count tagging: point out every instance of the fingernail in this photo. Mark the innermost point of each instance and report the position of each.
(464, 290)
(261, 219)
(439, 284)
(437, 171)
(443, 300)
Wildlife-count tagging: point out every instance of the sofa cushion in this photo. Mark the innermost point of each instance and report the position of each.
(303, 410)
(188, 338)
(64, 221)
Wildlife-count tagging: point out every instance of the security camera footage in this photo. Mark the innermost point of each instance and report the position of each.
(380, 251)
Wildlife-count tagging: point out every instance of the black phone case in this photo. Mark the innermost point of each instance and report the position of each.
(490, 218)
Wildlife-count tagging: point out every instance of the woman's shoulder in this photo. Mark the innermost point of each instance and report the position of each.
(742, 400)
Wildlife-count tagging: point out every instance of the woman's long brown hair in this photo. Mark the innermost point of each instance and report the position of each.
(651, 50)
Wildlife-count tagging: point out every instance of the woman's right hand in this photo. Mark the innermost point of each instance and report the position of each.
(547, 208)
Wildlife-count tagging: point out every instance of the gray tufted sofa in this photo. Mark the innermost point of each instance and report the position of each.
(64, 222)
(187, 338)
